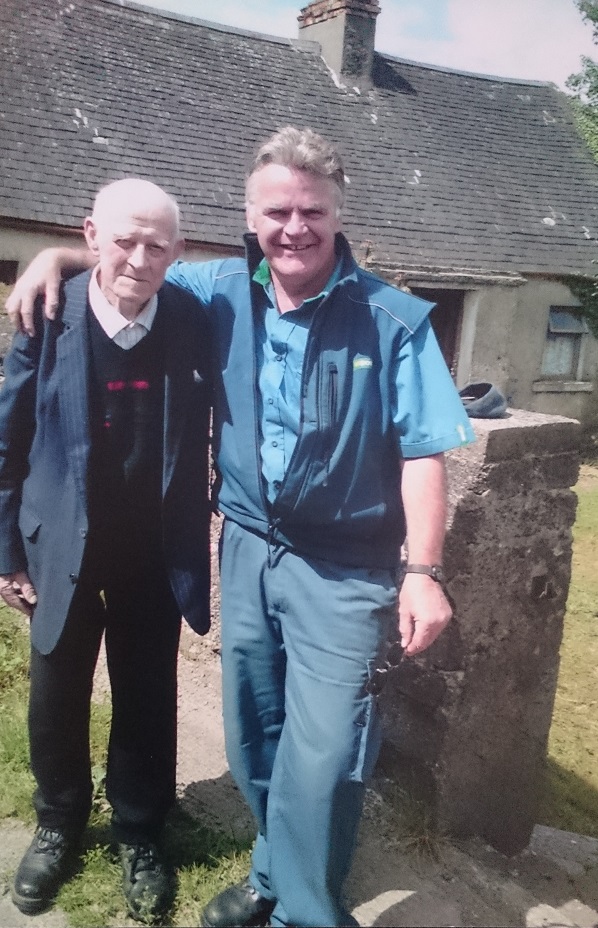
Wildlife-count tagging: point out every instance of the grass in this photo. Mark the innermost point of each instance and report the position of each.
(416, 827)
(17, 782)
(206, 861)
(570, 801)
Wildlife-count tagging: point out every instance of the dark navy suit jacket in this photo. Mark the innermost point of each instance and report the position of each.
(45, 442)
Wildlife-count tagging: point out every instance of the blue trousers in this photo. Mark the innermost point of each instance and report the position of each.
(300, 638)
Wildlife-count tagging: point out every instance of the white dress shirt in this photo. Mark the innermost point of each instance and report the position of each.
(122, 331)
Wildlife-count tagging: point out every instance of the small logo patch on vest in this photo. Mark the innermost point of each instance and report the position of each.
(360, 364)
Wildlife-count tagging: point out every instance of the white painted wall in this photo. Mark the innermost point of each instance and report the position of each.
(503, 338)
(23, 245)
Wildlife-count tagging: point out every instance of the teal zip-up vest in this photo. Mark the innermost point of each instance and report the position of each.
(340, 498)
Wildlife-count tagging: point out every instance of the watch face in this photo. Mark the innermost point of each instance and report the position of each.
(438, 574)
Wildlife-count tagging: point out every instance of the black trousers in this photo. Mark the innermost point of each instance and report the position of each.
(141, 620)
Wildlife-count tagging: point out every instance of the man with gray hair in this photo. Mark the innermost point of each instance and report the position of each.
(104, 528)
(333, 407)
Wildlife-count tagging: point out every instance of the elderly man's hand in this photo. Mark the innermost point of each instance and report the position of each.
(17, 591)
(41, 278)
(424, 612)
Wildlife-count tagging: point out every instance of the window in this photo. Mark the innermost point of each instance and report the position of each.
(565, 343)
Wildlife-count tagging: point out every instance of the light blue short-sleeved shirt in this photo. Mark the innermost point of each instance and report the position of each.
(429, 418)
(427, 410)
(281, 340)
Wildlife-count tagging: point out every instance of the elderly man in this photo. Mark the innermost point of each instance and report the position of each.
(104, 521)
(333, 407)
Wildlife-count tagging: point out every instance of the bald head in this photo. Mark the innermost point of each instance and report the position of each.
(134, 233)
(133, 196)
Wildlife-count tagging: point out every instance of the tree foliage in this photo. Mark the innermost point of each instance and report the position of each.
(585, 289)
(586, 119)
(584, 85)
(589, 11)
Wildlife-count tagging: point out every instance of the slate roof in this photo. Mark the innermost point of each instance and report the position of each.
(447, 169)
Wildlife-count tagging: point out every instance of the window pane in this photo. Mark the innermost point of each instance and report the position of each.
(559, 355)
(562, 320)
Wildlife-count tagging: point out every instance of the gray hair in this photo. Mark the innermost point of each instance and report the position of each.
(304, 150)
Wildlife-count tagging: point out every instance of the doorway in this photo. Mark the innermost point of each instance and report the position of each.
(446, 319)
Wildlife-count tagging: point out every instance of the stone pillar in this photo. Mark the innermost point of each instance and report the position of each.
(468, 723)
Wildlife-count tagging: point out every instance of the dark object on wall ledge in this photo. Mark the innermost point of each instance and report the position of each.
(483, 401)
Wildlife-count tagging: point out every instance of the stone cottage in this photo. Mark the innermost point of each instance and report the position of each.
(475, 191)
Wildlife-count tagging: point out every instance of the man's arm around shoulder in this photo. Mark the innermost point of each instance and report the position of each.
(42, 278)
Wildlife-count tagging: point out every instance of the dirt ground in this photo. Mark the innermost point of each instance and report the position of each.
(553, 883)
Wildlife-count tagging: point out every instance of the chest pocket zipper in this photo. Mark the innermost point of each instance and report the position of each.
(332, 414)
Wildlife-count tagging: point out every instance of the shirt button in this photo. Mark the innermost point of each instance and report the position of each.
(278, 357)
(270, 401)
(277, 484)
(275, 444)
(73, 578)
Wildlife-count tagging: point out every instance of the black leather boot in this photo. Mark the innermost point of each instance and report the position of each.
(239, 906)
(148, 884)
(46, 865)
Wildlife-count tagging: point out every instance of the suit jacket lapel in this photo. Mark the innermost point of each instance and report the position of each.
(72, 353)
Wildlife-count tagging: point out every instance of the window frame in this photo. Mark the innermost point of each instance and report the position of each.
(566, 326)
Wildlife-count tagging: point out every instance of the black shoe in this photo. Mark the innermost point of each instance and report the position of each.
(148, 884)
(46, 865)
(236, 907)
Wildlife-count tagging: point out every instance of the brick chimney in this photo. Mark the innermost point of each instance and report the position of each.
(346, 30)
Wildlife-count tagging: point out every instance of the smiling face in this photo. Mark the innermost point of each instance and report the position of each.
(134, 233)
(295, 215)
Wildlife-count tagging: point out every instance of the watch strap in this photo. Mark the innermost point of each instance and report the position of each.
(430, 570)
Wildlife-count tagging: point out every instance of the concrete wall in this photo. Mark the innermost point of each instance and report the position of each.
(503, 338)
(23, 245)
(468, 722)
(575, 400)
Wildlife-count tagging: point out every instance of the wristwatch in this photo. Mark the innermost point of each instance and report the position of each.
(434, 571)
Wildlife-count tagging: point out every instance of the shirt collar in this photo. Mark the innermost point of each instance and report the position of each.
(263, 276)
(109, 317)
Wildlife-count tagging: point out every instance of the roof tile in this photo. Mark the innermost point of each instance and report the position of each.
(446, 168)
